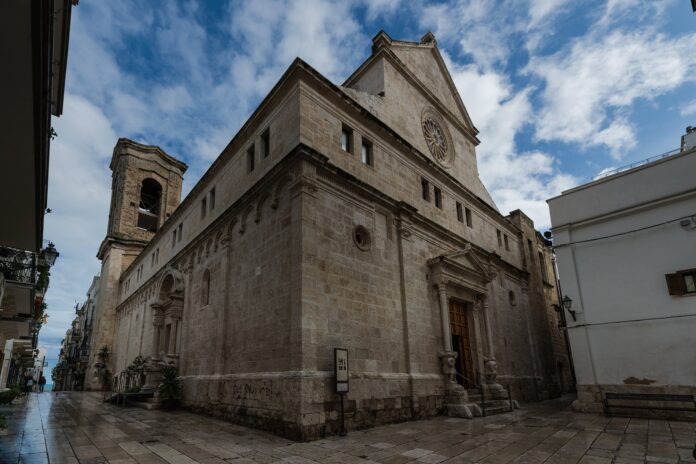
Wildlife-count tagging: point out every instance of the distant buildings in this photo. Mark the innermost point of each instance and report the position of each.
(34, 35)
(626, 247)
(73, 361)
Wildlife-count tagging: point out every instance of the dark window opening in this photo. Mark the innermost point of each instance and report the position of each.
(460, 213)
(507, 243)
(500, 238)
(366, 153)
(181, 226)
(212, 199)
(438, 197)
(346, 139)
(425, 189)
(266, 143)
(204, 207)
(250, 158)
(149, 206)
(467, 212)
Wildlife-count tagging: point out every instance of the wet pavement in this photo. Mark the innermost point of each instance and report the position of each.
(79, 428)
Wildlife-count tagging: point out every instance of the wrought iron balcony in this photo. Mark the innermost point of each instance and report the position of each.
(18, 265)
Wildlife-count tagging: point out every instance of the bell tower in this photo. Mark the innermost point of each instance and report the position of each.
(145, 191)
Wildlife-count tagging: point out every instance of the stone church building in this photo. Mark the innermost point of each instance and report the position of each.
(344, 216)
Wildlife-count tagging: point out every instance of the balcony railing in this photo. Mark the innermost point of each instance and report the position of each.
(613, 171)
(18, 265)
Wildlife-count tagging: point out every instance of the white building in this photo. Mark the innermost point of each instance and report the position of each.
(626, 248)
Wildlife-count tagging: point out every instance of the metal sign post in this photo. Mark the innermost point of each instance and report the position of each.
(341, 375)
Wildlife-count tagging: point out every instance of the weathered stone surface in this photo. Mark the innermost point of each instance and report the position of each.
(273, 277)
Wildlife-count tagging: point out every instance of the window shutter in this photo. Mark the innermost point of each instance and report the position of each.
(675, 284)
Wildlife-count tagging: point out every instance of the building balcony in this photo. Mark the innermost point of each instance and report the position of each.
(18, 266)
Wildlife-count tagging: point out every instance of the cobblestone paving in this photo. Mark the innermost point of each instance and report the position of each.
(78, 427)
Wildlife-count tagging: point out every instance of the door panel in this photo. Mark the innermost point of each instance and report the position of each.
(461, 342)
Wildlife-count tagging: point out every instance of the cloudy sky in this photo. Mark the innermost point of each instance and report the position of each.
(559, 89)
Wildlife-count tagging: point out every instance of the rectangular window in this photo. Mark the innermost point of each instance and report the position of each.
(366, 153)
(152, 260)
(467, 213)
(156, 255)
(460, 213)
(173, 238)
(507, 244)
(425, 189)
(266, 143)
(531, 250)
(438, 197)
(682, 282)
(500, 237)
(181, 225)
(346, 139)
(212, 199)
(204, 207)
(250, 158)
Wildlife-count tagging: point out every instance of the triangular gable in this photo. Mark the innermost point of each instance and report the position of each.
(425, 61)
(423, 64)
(461, 268)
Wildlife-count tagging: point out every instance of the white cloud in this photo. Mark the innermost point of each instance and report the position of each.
(515, 180)
(599, 74)
(688, 108)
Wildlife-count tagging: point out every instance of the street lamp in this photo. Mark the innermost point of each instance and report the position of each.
(567, 303)
(50, 254)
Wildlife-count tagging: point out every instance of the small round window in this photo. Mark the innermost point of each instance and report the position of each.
(361, 237)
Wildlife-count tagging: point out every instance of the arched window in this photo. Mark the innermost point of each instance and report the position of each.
(513, 299)
(205, 288)
(149, 207)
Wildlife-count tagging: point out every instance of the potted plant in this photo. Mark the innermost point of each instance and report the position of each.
(169, 390)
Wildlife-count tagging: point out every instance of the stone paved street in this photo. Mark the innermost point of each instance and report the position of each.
(77, 427)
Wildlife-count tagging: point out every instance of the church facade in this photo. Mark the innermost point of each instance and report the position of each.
(347, 217)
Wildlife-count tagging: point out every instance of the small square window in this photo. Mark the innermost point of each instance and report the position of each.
(682, 282)
(366, 153)
(346, 139)
(425, 189)
(467, 213)
(460, 213)
(266, 143)
(212, 199)
(204, 207)
(438, 197)
(250, 158)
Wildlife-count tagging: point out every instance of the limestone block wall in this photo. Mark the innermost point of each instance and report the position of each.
(352, 298)
(399, 175)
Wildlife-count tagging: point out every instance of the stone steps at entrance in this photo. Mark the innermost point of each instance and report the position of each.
(496, 401)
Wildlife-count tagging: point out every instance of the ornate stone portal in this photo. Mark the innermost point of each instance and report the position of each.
(166, 315)
(463, 270)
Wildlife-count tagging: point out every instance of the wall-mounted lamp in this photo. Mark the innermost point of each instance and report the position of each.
(567, 303)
